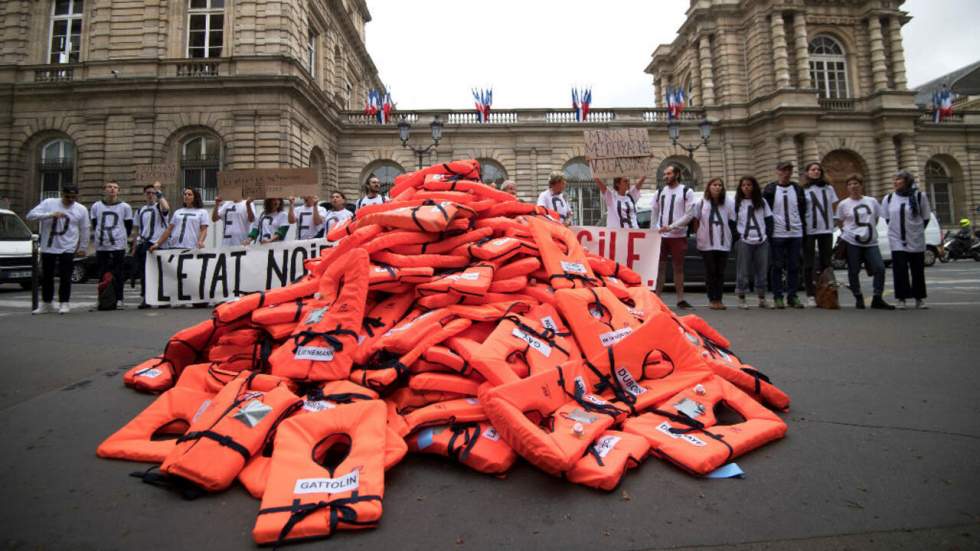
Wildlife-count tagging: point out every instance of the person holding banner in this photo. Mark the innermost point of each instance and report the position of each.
(621, 202)
(188, 227)
(112, 222)
(309, 218)
(373, 194)
(151, 222)
(338, 213)
(272, 226)
(552, 198)
(237, 217)
(753, 226)
(715, 213)
(671, 203)
(64, 227)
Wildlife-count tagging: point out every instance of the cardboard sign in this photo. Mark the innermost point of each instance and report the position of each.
(267, 183)
(163, 173)
(620, 152)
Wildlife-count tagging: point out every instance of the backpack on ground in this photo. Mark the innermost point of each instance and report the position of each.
(107, 292)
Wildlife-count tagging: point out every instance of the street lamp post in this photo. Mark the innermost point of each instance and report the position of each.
(674, 130)
(404, 130)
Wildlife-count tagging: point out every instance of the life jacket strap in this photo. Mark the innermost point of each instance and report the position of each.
(222, 439)
(305, 337)
(370, 324)
(340, 510)
(470, 432)
(185, 488)
(693, 425)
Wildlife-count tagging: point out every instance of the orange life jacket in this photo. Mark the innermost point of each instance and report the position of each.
(512, 285)
(463, 410)
(474, 281)
(423, 260)
(468, 169)
(597, 318)
(444, 382)
(327, 474)
(562, 256)
(289, 312)
(444, 245)
(406, 399)
(476, 445)
(608, 458)
(378, 321)
(441, 182)
(382, 274)
(608, 267)
(685, 429)
(517, 268)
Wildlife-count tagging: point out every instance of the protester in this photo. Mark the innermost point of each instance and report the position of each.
(753, 226)
(308, 217)
(188, 226)
(509, 186)
(786, 200)
(621, 202)
(338, 213)
(553, 198)
(858, 216)
(151, 222)
(111, 222)
(64, 227)
(236, 216)
(671, 203)
(272, 226)
(372, 195)
(907, 212)
(715, 213)
(819, 235)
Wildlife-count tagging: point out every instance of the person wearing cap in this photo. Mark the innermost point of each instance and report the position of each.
(785, 198)
(64, 226)
(553, 198)
(907, 212)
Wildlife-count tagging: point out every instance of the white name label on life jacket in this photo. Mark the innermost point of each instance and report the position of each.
(200, 410)
(533, 342)
(549, 323)
(501, 241)
(318, 405)
(470, 276)
(612, 337)
(605, 445)
(473, 401)
(347, 483)
(581, 416)
(665, 427)
(690, 408)
(316, 316)
(314, 353)
(152, 373)
(573, 267)
(408, 325)
(626, 379)
(491, 434)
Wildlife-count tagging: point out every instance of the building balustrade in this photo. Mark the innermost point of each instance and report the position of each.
(527, 117)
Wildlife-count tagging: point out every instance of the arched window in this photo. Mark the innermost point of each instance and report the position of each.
(56, 167)
(582, 193)
(940, 185)
(828, 68)
(200, 161)
(385, 171)
(492, 172)
(317, 163)
(205, 28)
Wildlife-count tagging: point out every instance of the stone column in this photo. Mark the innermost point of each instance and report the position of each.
(879, 71)
(707, 70)
(696, 96)
(780, 55)
(811, 153)
(887, 167)
(658, 92)
(909, 158)
(802, 50)
(898, 53)
(787, 151)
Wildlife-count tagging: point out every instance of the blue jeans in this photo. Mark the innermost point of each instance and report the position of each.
(871, 256)
(784, 255)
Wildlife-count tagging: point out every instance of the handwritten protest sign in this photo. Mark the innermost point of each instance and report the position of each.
(163, 173)
(264, 183)
(620, 152)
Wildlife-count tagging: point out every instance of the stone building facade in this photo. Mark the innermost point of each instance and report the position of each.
(205, 85)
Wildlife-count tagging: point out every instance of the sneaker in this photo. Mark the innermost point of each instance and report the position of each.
(763, 303)
(44, 308)
(920, 304)
(742, 304)
(811, 302)
(900, 304)
(120, 305)
(879, 303)
(685, 305)
(794, 302)
(63, 308)
(779, 304)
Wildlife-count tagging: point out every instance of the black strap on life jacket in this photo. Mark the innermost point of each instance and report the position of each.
(370, 324)
(340, 511)
(428, 203)
(759, 377)
(548, 335)
(305, 337)
(591, 450)
(470, 433)
(693, 425)
(222, 439)
(185, 488)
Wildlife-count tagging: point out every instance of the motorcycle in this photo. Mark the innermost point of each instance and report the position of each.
(962, 244)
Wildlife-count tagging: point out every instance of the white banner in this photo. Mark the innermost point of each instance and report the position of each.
(638, 250)
(188, 276)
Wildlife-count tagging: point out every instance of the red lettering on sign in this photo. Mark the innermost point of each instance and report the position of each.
(631, 254)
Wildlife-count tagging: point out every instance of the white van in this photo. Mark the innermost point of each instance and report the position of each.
(15, 250)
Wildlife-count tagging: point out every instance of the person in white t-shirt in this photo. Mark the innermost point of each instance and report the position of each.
(338, 213)
(820, 198)
(151, 221)
(236, 216)
(272, 226)
(908, 213)
(785, 198)
(670, 204)
(753, 226)
(857, 215)
(308, 217)
(715, 213)
(112, 222)
(554, 199)
(64, 228)
(621, 202)
(188, 226)
(372, 195)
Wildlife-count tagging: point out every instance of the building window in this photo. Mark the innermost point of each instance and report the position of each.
(311, 53)
(582, 194)
(206, 26)
(350, 94)
(200, 161)
(828, 68)
(492, 172)
(66, 31)
(386, 172)
(940, 186)
(57, 167)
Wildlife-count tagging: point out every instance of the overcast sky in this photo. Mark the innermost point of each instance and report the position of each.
(430, 53)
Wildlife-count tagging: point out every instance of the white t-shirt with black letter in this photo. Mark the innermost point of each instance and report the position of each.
(269, 223)
(669, 206)
(786, 213)
(714, 233)
(860, 221)
(336, 218)
(751, 222)
(109, 225)
(906, 232)
(150, 223)
(66, 234)
(557, 203)
(621, 209)
(187, 223)
(234, 215)
(820, 209)
(305, 228)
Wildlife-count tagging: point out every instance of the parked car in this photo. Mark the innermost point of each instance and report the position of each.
(934, 243)
(15, 250)
(88, 268)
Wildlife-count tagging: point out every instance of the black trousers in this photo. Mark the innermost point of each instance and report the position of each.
(714, 273)
(811, 271)
(65, 264)
(902, 263)
(112, 261)
(141, 249)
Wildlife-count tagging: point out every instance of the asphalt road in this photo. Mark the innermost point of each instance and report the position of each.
(883, 449)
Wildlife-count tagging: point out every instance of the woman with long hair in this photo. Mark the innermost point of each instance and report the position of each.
(857, 215)
(907, 211)
(272, 226)
(819, 197)
(621, 201)
(753, 227)
(188, 226)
